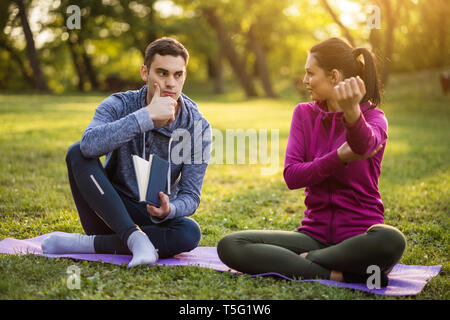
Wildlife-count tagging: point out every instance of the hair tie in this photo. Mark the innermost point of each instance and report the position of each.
(357, 51)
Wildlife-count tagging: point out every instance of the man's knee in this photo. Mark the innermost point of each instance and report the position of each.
(76, 160)
(74, 152)
(189, 235)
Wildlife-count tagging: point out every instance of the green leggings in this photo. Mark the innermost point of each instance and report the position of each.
(256, 252)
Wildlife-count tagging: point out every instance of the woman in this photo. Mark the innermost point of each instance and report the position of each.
(335, 148)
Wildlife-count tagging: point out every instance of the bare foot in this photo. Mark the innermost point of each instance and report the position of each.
(336, 276)
(304, 254)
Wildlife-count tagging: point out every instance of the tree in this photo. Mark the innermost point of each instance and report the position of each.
(76, 59)
(229, 51)
(263, 18)
(382, 42)
(391, 12)
(215, 71)
(261, 61)
(144, 28)
(19, 61)
(38, 77)
(6, 45)
(345, 31)
(94, 17)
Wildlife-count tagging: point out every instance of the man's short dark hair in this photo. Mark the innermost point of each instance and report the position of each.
(165, 46)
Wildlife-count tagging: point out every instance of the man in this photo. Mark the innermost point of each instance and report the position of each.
(143, 122)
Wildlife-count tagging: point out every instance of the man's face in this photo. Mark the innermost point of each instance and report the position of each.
(169, 72)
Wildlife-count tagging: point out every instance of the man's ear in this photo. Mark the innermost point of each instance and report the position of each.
(336, 76)
(144, 73)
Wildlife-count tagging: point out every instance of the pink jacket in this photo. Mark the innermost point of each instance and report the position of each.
(342, 200)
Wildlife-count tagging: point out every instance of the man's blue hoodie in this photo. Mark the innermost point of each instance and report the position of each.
(118, 130)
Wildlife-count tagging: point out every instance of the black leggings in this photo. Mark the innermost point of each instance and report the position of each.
(256, 252)
(112, 216)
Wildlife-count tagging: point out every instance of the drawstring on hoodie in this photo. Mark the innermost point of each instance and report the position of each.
(143, 147)
(168, 172)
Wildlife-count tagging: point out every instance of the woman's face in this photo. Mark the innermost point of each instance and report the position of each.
(319, 84)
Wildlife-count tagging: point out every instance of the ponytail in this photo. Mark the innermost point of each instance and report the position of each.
(369, 75)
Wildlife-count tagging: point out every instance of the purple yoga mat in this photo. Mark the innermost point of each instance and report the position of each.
(404, 280)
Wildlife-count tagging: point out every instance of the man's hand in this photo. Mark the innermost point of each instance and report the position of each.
(163, 210)
(161, 109)
(346, 154)
(349, 94)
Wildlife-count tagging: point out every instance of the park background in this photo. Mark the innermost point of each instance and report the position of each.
(247, 62)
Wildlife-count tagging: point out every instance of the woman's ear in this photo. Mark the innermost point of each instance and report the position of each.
(144, 73)
(336, 76)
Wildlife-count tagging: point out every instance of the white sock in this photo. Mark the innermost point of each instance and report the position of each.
(68, 243)
(142, 248)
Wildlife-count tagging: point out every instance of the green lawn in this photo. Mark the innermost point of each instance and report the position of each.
(35, 198)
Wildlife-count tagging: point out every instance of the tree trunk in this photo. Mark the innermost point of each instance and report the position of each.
(230, 52)
(391, 19)
(88, 67)
(376, 43)
(386, 69)
(261, 62)
(92, 75)
(442, 34)
(129, 16)
(215, 72)
(218, 79)
(375, 39)
(76, 62)
(152, 34)
(39, 80)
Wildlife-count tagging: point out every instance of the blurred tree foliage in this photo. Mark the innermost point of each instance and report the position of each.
(255, 43)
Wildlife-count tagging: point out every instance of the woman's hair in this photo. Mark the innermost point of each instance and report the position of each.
(335, 53)
(165, 46)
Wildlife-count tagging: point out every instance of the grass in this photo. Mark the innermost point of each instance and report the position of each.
(36, 130)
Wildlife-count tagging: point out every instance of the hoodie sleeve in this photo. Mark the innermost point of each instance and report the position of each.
(298, 172)
(108, 130)
(368, 132)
